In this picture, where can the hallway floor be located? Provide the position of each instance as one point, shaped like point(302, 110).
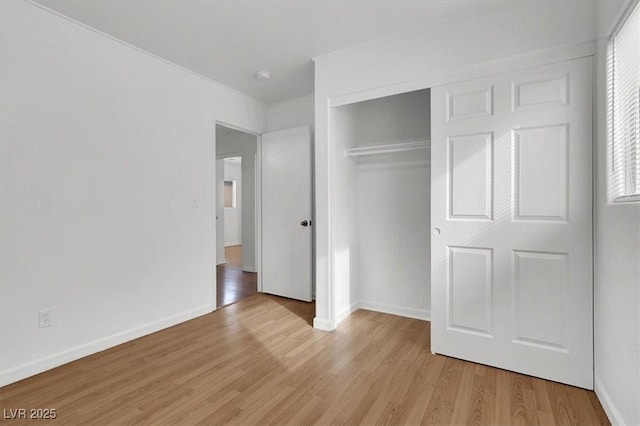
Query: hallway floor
point(234, 284)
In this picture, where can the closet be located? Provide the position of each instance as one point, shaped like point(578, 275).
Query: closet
point(381, 213)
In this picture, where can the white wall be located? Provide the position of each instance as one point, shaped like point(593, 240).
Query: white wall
point(106, 190)
point(345, 212)
point(393, 218)
point(617, 269)
point(407, 61)
point(233, 215)
point(399, 118)
point(290, 113)
point(244, 145)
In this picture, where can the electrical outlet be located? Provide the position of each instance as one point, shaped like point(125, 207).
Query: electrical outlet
point(46, 318)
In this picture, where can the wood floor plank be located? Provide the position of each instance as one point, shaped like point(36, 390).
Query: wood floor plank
point(463, 400)
point(304, 386)
point(411, 409)
point(233, 284)
point(483, 398)
point(523, 407)
point(441, 405)
point(596, 409)
point(563, 411)
point(503, 397)
point(259, 361)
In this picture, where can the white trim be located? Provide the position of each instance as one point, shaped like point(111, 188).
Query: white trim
point(323, 324)
point(344, 313)
point(213, 246)
point(258, 211)
point(634, 198)
point(145, 52)
point(237, 128)
point(607, 403)
point(403, 311)
point(420, 314)
point(498, 66)
point(328, 207)
point(233, 243)
point(48, 362)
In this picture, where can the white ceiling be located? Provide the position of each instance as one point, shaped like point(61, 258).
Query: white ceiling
point(228, 41)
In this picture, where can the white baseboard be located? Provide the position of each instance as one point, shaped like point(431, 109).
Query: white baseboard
point(249, 268)
point(40, 365)
point(233, 243)
point(421, 314)
point(347, 311)
point(607, 403)
point(323, 324)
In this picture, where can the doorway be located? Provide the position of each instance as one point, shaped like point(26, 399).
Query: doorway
point(236, 270)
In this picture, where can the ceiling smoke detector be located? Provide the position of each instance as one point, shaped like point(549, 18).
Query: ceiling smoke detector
point(263, 75)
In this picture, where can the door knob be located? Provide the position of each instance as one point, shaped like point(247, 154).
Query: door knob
point(436, 231)
point(304, 223)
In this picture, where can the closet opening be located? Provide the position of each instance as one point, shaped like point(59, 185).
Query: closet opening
point(381, 235)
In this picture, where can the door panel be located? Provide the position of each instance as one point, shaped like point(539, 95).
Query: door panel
point(286, 203)
point(511, 210)
point(541, 173)
point(469, 164)
point(470, 281)
point(470, 103)
point(536, 276)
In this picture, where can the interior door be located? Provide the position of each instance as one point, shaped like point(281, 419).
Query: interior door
point(286, 213)
point(511, 220)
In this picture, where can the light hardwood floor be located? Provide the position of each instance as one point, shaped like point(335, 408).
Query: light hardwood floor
point(233, 256)
point(234, 284)
point(259, 361)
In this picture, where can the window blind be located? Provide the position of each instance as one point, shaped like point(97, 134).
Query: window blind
point(623, 109)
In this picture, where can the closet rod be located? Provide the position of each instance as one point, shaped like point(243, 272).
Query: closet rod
point(386, 149)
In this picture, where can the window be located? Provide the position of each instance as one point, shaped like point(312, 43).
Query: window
point(230, 193)
point(623, 107)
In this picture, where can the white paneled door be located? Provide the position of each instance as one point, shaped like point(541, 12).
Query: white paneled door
point(511, 221)
point(286, 213)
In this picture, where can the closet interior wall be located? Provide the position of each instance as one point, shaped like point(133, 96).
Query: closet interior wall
point(382, 216)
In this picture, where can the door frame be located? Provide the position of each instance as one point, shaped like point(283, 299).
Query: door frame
point(257, 196)
point(324, 278)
